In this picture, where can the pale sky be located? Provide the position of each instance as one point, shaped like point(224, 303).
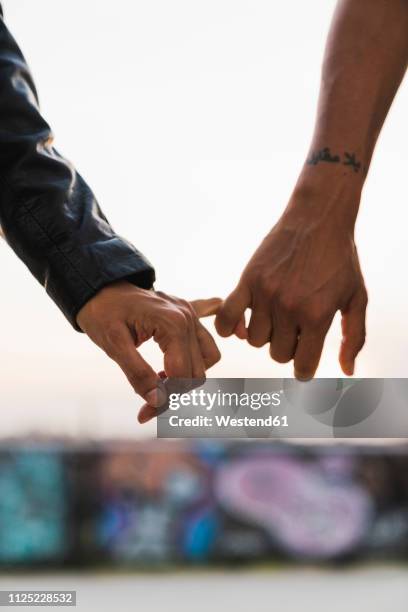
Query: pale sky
point(190, 120)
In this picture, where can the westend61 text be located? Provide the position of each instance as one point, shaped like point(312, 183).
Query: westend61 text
point(228, 421)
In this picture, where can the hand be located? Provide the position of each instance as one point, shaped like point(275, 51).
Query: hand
point(120, 317)
point(305, 270)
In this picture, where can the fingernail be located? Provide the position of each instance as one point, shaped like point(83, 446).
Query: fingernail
point(303, 377)
point(349, 368)
point(156, 397)
point(143, 417)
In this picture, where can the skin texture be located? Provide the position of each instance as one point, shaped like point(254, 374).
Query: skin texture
point(307, 267)
point(120, 317)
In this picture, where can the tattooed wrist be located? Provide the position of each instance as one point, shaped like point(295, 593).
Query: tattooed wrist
point(346, 159)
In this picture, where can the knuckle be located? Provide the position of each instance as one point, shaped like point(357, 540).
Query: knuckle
point(188, 312)
point(279, 356)
point(315, 315)
point(360, 339)
point(225, 316)
point(212, 354)
point(274, 355)
point(289, 302)
point(255, 341)
point(178, 322)
point(364, 298)
point(314, 318)
point(184, 305)
point(135, 378)
point(222, 325)
point(265, 286)
point(216, 356)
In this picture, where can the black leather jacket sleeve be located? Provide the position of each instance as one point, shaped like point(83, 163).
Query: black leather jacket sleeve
point(48, 214)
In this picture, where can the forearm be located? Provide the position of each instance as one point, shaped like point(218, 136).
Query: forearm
point(365, 60)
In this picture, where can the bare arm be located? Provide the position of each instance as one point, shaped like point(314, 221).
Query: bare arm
point(365, 60)
point(307, 267)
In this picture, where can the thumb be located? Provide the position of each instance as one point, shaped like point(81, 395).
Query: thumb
point(231, 313)
point(206, 308)
point(354, 332)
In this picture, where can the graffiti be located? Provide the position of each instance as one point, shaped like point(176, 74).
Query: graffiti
point(32, 507)
point(307, 514)
point(155, 503)
point(390, 532)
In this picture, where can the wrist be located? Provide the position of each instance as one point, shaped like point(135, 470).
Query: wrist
point(101, 300)
point(326, 195)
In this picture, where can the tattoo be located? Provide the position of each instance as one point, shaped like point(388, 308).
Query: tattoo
point(351, 161)
point(325, 155)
